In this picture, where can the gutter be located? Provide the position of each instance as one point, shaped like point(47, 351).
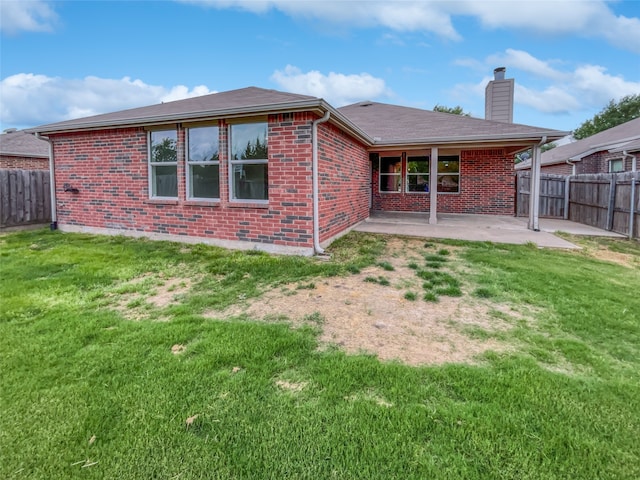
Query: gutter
point(316, 208)
point(475, 139)
point(318, 105)
point(52, 184)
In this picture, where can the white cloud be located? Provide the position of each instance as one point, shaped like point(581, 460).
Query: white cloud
point(585, 18)
point(552, 99)
point(400, 15)
point(552, 90)
point(526, 62)
point(30, 100)
point(336, 88)
point(31, 16)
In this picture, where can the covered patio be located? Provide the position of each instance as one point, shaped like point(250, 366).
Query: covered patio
point(483, 228)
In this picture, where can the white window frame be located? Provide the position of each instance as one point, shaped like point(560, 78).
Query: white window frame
point(239, 162)
point(200, 163)
point(449, 174)
point(408, 157)
point(382, 175)
point(151, 164)
point(616, 160)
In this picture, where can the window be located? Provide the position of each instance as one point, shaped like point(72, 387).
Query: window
point(163, 163)
point(203, 163)
point(248, 161)
point(616, 165)
point(418, 174)
point(390, 174)
point(448, 174)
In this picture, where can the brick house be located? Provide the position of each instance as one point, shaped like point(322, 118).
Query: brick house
point(609, 151)
point(275, 171)
point(23, 151)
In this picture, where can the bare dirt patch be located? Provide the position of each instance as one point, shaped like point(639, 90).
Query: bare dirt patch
point(291, 386)
point(625, 259)
point(141, 297)
point(362, 316)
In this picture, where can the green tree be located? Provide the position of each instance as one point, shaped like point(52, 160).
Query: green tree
point(615, 113)
point(165, 151)
point(457, 110)
point(255, 150)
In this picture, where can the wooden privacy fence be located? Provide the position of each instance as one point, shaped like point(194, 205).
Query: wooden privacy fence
point(553, 192)
point(610, 201)
point(25, 197)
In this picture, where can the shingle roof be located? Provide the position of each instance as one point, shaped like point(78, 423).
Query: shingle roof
point(244, 100)
point(393, 124)
point(632, 146)
point(622, 137)
point(23, 144)
point(374, 123)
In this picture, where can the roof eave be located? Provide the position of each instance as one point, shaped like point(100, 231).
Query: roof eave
point(23, 154)
point(474, 139)
point(318, 106)
point(179, 117)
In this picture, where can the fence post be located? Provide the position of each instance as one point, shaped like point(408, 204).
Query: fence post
point(632, 207)
point(612, 201)
point(567, 187)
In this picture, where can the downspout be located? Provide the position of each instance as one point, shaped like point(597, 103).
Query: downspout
point(534, 201)
point(52, 184)
point(572, 165)
point(314, 160)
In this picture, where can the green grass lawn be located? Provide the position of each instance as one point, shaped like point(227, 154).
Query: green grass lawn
point(87, 392)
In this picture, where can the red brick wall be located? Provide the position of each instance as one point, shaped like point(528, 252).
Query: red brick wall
point(557, 169)
point(594, 163)
point(110, 169)
point(24, 163)
point(599, 162)
point(344, 181)
point(487, 186)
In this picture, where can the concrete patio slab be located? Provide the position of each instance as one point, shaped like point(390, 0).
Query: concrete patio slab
point(488, 228)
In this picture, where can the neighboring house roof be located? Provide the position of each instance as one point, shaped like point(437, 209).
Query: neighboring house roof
point(377, 124)
point(396, 125)
point(617, 139)
point(631, 146)
point(23, 144)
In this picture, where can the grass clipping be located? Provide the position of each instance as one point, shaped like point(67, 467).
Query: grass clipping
point(359, 315)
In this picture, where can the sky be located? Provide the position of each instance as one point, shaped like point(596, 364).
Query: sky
point(68, 59)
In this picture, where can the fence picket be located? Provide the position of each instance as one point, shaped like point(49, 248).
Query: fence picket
point(24, 197)
point(601, 200)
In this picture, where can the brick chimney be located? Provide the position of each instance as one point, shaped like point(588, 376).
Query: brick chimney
point(498, 103)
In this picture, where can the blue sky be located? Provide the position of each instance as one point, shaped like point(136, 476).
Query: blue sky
point(75, 58)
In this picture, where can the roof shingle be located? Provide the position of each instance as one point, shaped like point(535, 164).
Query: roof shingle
point(381, 123)
point(23, 144)
point(250, 98)
point(396, 124)
point(624, 136)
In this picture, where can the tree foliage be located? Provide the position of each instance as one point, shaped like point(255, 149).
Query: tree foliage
point(165, 151)
point(615, 113)
point(457, 110)
point(257, 150)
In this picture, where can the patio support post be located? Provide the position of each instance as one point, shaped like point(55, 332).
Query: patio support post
point(534, 190)
point(433, 187)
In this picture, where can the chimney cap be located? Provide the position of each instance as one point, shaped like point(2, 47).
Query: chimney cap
point(499, 73)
